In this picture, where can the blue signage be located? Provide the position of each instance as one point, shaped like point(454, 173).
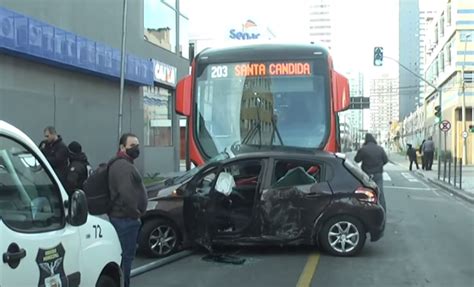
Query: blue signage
point(243, 35)
point(27, 37)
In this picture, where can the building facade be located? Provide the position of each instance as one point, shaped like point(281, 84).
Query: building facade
point(450, 66)
point(60, 66)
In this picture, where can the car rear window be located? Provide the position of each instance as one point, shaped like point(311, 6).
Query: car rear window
point(357, 172)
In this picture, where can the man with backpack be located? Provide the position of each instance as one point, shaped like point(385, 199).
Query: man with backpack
point(78, 169)
point(129, 199)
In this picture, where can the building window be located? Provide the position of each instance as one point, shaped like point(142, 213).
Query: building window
point(436, 35)
point(160, 23)
point(448, 55)
point(448, 14)
point(183, 37)
point(441, 26)
point(441, 62)
point(157, 106)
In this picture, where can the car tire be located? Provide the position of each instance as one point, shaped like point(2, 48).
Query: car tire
point(342, 236)
point(158, 238)
point(106, 281)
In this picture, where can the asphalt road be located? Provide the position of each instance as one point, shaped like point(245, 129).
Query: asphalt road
point(429, 241)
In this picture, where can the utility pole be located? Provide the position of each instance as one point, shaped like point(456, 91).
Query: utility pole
point(122, 68)
point(463, 112)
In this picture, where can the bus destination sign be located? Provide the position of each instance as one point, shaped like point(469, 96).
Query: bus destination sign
point(261, 69)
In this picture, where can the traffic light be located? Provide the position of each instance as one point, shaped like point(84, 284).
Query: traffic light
point(471, 128)
point(437, 113)
point(378, 56)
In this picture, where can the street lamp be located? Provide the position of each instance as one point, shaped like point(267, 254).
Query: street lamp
point(463, 112)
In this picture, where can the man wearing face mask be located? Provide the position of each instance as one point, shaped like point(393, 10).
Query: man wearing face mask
point(129, 199)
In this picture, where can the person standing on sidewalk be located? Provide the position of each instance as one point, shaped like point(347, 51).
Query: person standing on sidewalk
point(77, 169)
point(428, 151)
point(411, 153)
point(129, 199)
point(56, 152)
point(373, 158)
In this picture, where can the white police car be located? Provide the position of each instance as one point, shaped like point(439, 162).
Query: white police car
point(47, 239)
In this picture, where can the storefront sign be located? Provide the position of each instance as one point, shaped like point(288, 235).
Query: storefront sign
point(164, 73)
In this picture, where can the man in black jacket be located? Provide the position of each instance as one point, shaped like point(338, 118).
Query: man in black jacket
point(373, 159)
point(77, 170)
point(129, 199)
point(56, 152)
point(411, 153)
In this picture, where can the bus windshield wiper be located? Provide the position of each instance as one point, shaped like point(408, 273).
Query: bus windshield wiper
point(275, 130)
point(256, 128)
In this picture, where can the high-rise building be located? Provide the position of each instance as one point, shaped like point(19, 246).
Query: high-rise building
point(383, 105)
point(409, 56)
point(320, 22)
point(352, 119)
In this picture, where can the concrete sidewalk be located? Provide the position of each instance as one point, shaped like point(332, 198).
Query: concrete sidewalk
point(467, 191)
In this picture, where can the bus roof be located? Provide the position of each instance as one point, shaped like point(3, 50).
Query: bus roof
point(259, 52)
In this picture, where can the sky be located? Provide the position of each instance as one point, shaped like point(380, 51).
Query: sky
point(358, 25)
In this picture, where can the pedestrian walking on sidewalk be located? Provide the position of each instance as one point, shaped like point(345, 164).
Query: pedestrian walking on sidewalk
point(428, 150)
point(423, 160)
point(373, 158)
point(411, 153)
point(129, 199)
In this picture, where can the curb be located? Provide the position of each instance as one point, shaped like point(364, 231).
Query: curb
point(445, 187)
point(458, 192)
point(160, 262)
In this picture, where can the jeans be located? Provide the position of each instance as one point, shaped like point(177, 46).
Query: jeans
point(378, 178)
point(127, 230)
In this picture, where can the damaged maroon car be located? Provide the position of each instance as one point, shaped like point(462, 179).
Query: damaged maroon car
point(270, 198)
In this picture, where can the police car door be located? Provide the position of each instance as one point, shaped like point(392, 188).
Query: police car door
point(38, 247)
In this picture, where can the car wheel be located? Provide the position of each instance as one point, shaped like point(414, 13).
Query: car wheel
point(342, 236)
point(159, 238)
point(106, 281)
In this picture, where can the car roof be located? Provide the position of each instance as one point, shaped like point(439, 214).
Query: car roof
point(283, 152)
point(13, 132)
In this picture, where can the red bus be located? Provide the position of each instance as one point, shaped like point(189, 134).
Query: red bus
point(261, 95)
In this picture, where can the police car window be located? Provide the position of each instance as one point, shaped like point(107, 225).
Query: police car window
point(29, 199)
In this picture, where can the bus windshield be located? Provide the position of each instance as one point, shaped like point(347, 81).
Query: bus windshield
point(262, 103)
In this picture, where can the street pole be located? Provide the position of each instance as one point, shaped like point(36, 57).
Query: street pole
point(122, 68)
point(463, 112)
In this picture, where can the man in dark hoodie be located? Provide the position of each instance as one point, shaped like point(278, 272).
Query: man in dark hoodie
point(373, 158)
point(77, 170)
point(129, 199)
point(411, 153)
point(56, 152)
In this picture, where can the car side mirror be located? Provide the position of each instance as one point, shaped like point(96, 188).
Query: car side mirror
point(78, 210)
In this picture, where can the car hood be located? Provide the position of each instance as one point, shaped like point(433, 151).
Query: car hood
point(162, 190)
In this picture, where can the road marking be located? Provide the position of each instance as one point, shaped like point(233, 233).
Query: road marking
point(409, 177)
point(406, 187)
point(308, 272)
point(386, 177)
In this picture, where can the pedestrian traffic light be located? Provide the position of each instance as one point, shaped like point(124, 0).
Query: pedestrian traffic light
point(378, 56)
point(437, 112)
point(471, 128)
